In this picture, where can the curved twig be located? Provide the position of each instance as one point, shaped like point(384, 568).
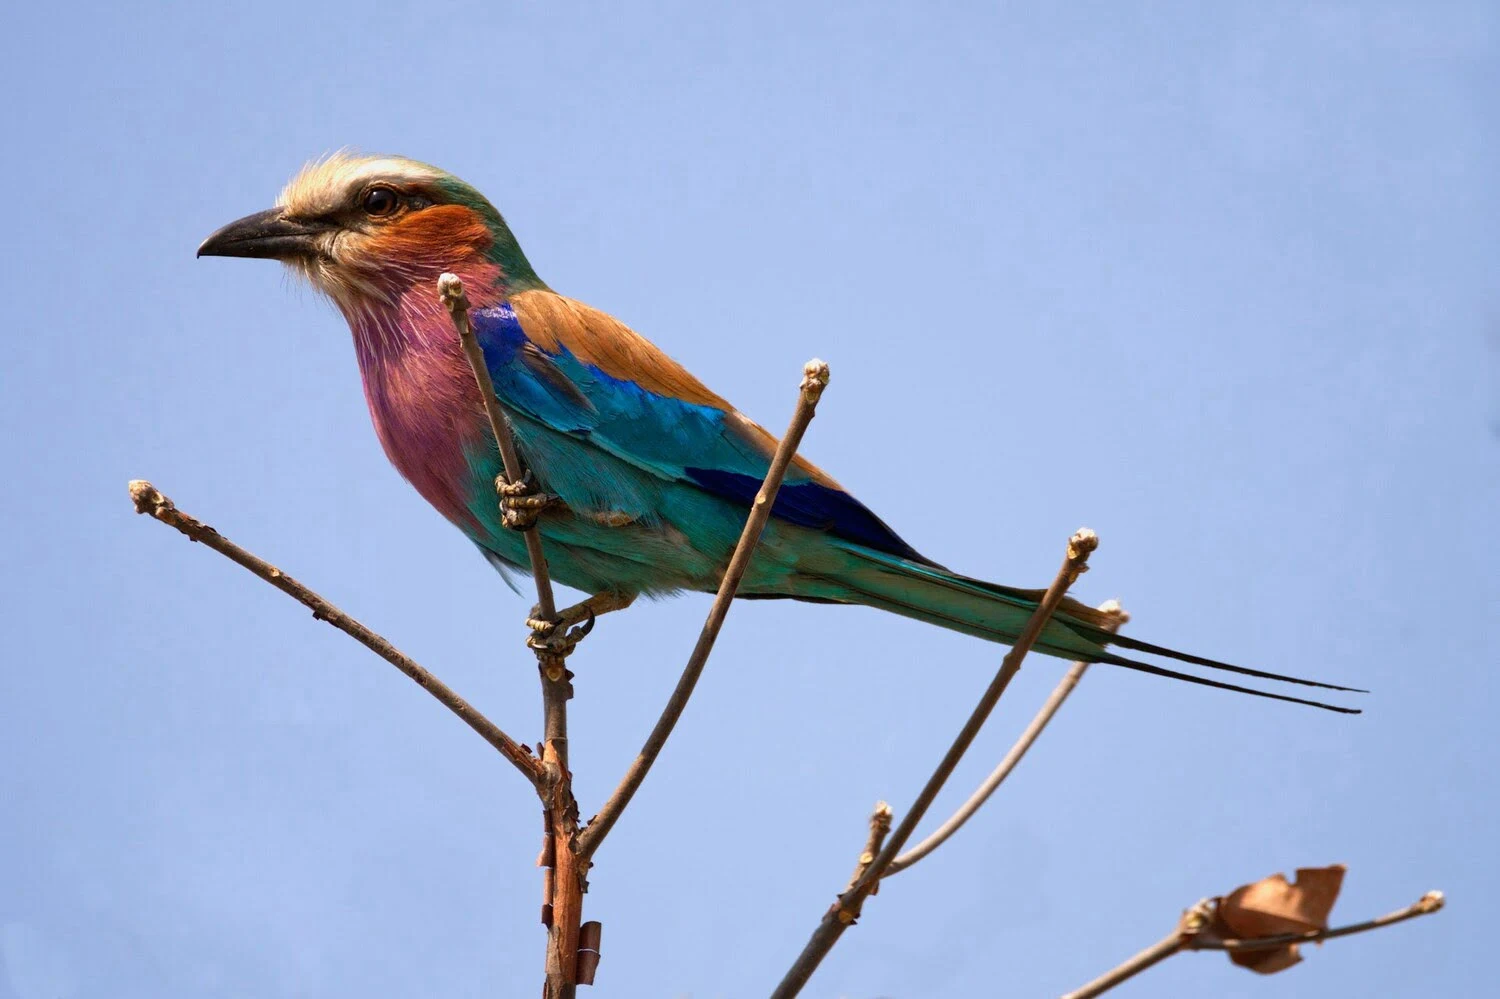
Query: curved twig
point(997, 776)
point(841, 914)
point(1173, 943)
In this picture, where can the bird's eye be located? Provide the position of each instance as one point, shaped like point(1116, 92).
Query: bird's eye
point(380, 201)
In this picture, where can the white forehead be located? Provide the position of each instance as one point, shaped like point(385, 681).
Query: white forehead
point(325, 185)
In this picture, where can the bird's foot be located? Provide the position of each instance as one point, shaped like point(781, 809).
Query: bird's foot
point(553, 641)
point(557, 637)
point(581, 614)
point(520, 502)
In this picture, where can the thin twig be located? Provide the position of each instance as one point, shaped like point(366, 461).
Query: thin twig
point(1193, 922)
point(814, 380)
point(1195, 933)
point(1150, 957)
point(149, 500)
point(451, 293)
point(839, 916)
point(1117, 617)
point(1424, 906)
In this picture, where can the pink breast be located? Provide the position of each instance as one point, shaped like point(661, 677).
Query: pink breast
point(422, 398)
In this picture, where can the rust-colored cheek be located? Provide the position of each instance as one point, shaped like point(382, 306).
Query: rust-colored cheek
point(439, 236)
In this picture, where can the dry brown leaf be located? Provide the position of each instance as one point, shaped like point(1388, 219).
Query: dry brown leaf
point(1272, 906)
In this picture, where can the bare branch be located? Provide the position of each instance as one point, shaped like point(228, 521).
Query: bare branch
point(451, 292)
point(1192, 923)
point(814, 380)
point(1424, 906)
point(982, 794)
point(1195, 932)
point(149, 500)
point(839, 916)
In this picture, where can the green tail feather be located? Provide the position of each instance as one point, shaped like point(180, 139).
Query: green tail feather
point(998, 613)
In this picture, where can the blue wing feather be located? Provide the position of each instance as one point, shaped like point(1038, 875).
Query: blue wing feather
point(672, 439)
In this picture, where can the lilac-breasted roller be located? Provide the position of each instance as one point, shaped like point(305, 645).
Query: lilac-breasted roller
point(650, 473)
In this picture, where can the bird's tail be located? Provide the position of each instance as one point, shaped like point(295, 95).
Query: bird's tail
point(998, 613)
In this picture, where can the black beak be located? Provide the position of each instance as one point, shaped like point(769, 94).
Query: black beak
point(265, 234)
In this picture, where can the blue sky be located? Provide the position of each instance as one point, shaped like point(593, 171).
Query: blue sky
point(1215, 281)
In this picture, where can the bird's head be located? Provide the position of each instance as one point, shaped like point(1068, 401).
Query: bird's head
point(365, 230)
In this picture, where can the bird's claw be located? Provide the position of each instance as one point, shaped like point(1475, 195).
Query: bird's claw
point(555, 638)
point(580, 613)
point(520, 502)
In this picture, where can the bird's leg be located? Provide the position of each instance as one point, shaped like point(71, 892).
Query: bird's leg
point(583, 611)
point(520, 502)
point(559, 633)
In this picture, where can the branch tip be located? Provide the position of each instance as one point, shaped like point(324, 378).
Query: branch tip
point(451, 292)
point(814, 379)
point(146, 497)
point(880, 827)
point(1082, 544)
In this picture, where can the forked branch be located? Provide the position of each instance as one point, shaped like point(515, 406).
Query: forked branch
point(940, 835)
point(845, 909)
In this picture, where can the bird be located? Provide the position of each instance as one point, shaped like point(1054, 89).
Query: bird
point(641, 475)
